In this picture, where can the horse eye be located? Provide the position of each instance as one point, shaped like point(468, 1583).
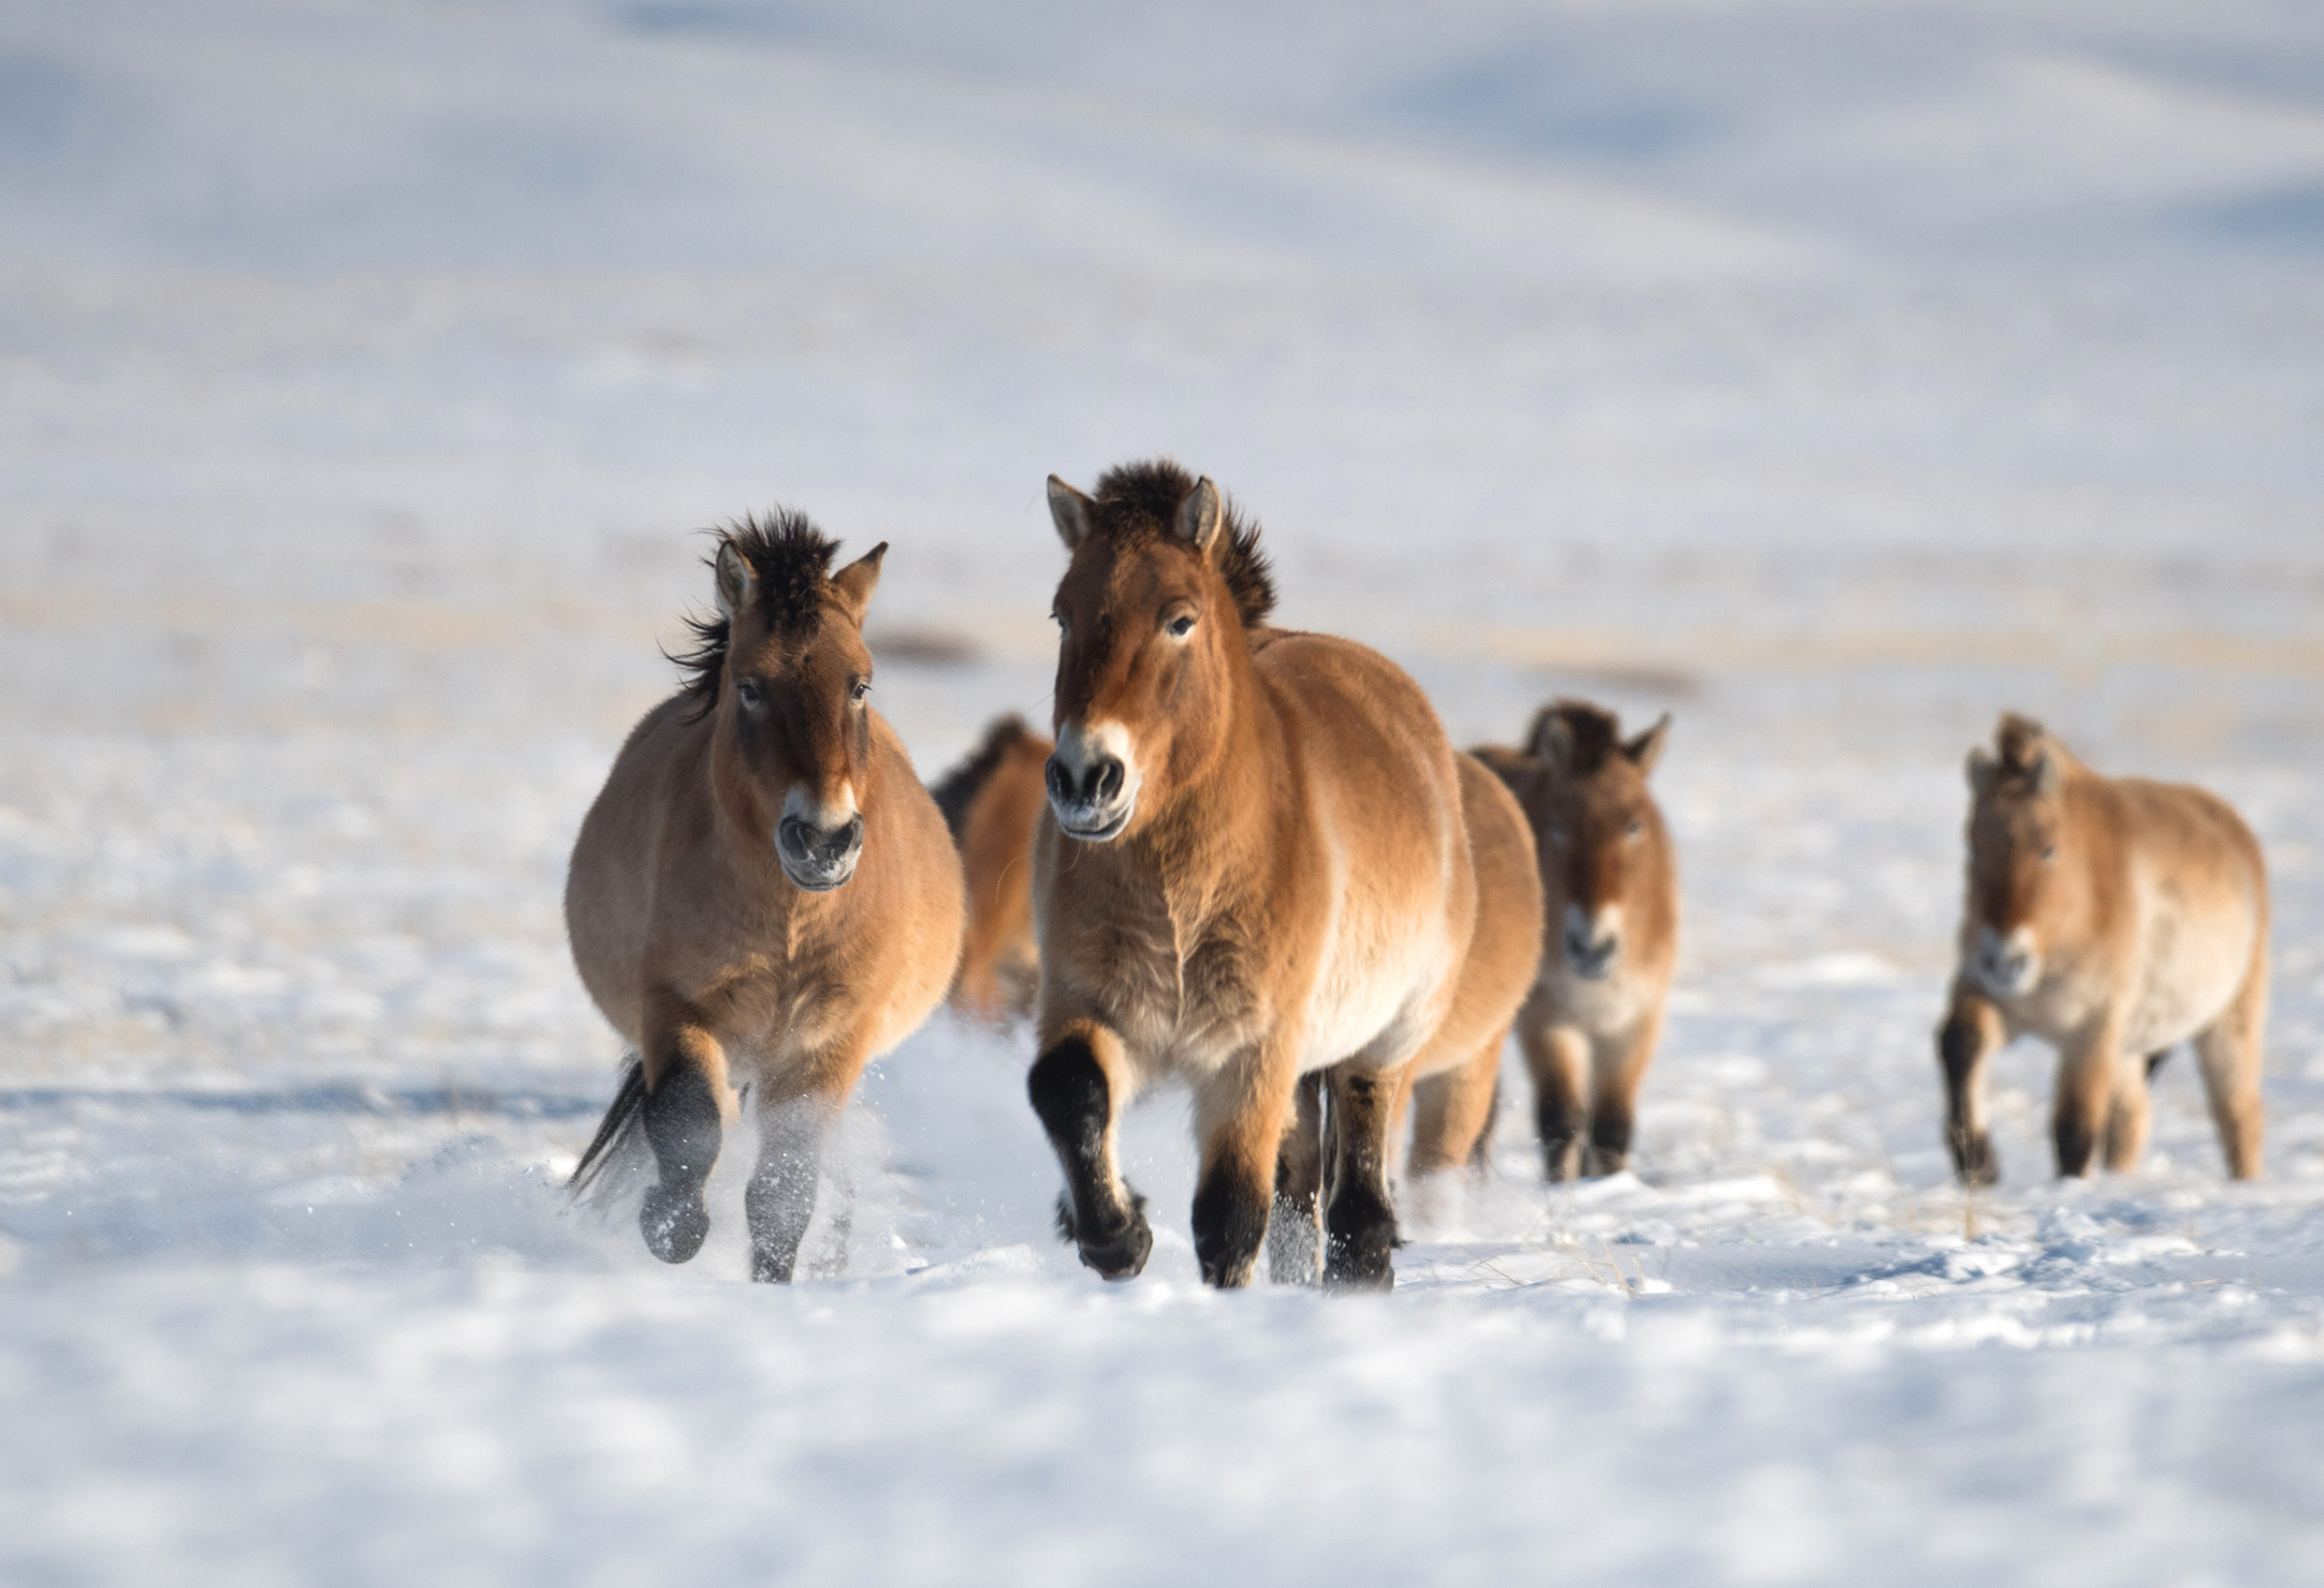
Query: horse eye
point(1557, 833)
point(1634, 828)
point(750, 695)
point(863, 687)
point(2049, 852)
point(1181, 627)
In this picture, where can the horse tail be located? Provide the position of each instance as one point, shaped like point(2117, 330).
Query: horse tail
point(956, 793)
point(622, 1127)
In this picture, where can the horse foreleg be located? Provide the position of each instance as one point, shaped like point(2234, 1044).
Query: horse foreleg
point(779, 1202)
point(1295, 1246)
point(2232, 1051)
point(1077, 1087)
point(1239, 1115)
point(2089, 1065)
point(1617, 1068)
point(1972, 1033)
point(1558, 1058)
point(1359, 1225)
point(687, 1095)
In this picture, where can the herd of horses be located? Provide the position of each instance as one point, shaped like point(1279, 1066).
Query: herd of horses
point(1251, 860)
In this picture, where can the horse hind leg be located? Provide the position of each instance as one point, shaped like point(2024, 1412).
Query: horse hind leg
point(1077, 1091)
point(2130, 1116)
point(1295, 1244)
point(1359, 1224)
point(2232, 1051)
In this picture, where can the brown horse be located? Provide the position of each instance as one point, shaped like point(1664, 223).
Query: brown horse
point(2114, 918)
point(762, 894)
point(1611, 928)
point(1252, 865)
point(990, 802)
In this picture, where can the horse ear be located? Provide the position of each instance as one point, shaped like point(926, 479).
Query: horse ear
point(1200, 515)
point(1982, 769)
point(737, 580)
point(1070, 510)
point(856, 582)
point(1552, 741)
point(2046, 774)
point(1646, 748)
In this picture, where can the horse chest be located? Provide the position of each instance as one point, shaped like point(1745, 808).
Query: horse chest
point(1188, 1012)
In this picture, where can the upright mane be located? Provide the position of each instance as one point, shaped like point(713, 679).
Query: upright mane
point(1140, 500)
point(791, 560)
point(957, 793)
point(1594, 732)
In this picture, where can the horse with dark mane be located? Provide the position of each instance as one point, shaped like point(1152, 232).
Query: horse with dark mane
point(1252, 865)
point(1611, 928)
point(762, 897)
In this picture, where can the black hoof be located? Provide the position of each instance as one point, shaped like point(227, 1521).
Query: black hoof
point(674, 1223)
point(1360, 1261)
point(1116, 1254)
point(1602, 1161)
point(765, 1270)
point(1974, 1160)
point(1561, 1160)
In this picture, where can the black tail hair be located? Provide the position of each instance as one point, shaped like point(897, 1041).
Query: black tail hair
point(622, 1123)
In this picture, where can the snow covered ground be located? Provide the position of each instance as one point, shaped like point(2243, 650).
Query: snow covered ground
point(1831, 374)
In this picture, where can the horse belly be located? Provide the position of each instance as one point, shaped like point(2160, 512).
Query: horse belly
point(2191, 970)
point(1363, 1006)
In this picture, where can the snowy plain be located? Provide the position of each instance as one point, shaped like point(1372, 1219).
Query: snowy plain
point(1833, 375)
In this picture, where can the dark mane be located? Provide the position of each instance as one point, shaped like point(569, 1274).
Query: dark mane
point(1140, 499)
point(1595, 732)
point(791, 560)
point(956, 795)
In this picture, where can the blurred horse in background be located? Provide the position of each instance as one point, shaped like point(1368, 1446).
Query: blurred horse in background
point(990, 802)
point(1611, 928)
point(761, 896)
point(1252, 865)
point(2114, 918)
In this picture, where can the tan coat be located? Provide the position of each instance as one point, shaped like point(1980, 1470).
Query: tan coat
point(2115, 918)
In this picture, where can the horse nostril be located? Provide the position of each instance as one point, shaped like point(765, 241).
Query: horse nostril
point(1108, 781)
point(1059, 780)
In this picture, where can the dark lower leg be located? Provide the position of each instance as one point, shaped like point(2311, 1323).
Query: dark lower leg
point(1074, 1100)
point(1609, 1136)
point(1961, 1051)
point(780, 1199)
point(1359, 1225)
point(683, 1128)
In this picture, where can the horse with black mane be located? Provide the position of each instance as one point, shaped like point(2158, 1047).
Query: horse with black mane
point(762, 897)
point(1252, 865)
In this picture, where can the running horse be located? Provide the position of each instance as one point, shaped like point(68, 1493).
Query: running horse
point(764, 896)
point(2113, 917)
point(1252, 865)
